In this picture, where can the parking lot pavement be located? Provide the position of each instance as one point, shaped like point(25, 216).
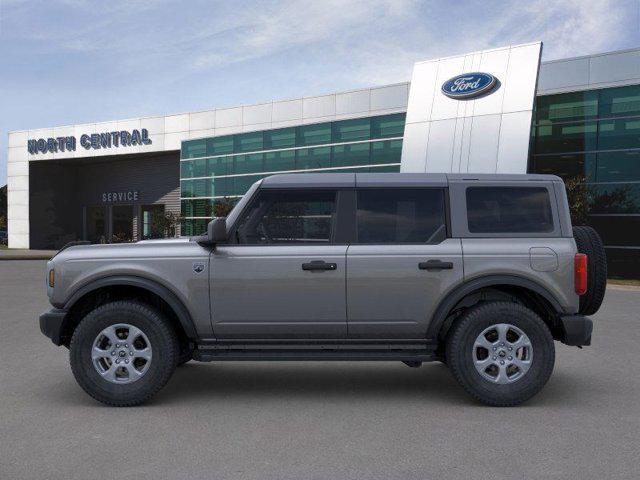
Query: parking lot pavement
point(315, 420)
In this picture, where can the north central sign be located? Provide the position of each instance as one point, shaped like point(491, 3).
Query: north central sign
point(93, 141)
point(469, 85)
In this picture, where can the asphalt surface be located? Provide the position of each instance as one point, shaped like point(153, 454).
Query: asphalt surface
point(315, 420)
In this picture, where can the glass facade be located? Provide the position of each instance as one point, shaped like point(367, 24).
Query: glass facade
point(592, 140)
point(215, 170)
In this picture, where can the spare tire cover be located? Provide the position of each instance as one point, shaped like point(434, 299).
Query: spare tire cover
point(588, 242)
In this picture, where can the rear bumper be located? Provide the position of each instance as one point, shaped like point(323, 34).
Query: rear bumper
point(575, 330)
point(51, 324)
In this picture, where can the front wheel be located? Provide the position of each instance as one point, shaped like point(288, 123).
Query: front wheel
point(502, 353)
point(123, 352)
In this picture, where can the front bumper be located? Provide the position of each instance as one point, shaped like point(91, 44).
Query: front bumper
point(51, 323)
point(575, 330)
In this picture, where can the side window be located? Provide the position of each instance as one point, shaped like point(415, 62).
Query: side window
point(401, 215)
point(283, 217)
point(509, 210)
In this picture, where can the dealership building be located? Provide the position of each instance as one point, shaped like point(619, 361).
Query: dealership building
point(111, 181)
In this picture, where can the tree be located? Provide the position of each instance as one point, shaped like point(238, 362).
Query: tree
point(3, 208)
point(223, 206)
point(164, 224)
point(584, 199)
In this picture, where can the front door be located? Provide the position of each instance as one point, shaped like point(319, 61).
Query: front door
point(282, 275)
point(401, 262)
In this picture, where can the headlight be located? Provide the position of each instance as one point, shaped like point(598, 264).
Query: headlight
point(52, 277)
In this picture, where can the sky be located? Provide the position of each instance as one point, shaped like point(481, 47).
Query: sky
point(65, 62)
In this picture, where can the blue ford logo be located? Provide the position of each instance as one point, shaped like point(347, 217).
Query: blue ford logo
point(468, 85)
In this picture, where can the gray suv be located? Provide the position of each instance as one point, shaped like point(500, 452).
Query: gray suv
point(481, 272)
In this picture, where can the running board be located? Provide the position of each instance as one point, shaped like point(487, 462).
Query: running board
point(310, 351)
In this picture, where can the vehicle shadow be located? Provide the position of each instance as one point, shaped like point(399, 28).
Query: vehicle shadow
point(352, 381)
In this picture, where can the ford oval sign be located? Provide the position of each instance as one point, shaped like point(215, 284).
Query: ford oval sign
point(468, 85)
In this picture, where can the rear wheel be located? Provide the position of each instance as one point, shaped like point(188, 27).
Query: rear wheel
point(501, 353)
point(588, 242)
point(122, 353)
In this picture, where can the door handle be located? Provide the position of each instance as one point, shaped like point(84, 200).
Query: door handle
point(319, 265)
point(435, 265)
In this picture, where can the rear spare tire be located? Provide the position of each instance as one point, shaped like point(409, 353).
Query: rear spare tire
point(588, 242)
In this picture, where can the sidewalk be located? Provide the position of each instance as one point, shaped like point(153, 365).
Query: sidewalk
point(24, 254)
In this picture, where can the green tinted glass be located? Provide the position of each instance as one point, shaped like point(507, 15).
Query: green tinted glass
point(220, 145)
point(566, 107)
point(194, 148)
point(388, 126)
point(186, 169)
point(388, 151)
point(313, 134)
point(573, 137)
point(385, 169)
point(620, 102)
point(222, 187)
point(622, 133)
point(248, 163)
point(352, 130)
point(186, 188)
point(197, 208)
point(280, 138)
point(309, 158)
point(248, 142)
point(618, 166)
point(347, 155)
point(568, 166)
point(220, 166)
point(280, 161)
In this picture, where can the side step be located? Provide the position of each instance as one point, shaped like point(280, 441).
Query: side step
point(312, 350)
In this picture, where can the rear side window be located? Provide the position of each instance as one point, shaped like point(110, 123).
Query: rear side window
point(401, 215)
point(509, 210)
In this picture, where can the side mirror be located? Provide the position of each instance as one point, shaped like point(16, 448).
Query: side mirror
point(217, 230)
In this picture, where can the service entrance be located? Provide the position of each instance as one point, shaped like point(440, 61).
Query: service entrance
point(109, 223)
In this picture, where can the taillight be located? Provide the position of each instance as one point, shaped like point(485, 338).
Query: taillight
point(580, 273)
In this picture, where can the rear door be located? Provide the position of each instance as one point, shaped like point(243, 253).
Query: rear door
point(284, 275)
point(401, 262)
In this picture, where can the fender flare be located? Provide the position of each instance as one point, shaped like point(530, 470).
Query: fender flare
point(464, 289)
point(184, 317)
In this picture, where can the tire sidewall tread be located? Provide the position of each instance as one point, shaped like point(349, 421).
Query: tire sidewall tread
point(163, 343)
point(459, 349)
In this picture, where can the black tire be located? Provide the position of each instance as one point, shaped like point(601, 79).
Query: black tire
point(164, 353)
point(185, 355)
point(460, 347)
point(588, 242)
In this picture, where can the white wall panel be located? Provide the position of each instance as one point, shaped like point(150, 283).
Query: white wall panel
point(562, 74)
point(176, 123)
point(393, 96)
point(494, 62)
point(323, 106)
point(441, 145)
point(520, 83)
point(614, 67)
point(483, 144)
point(514, 139)
point(353, 102)
point(17, 154)
point(422, 91)
point(18, 139)
point(202, 120)
point(229, 117)
point(465, 134)
point(287, 111)
point(253, 114)
point(414, 147)
point(154, 125)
